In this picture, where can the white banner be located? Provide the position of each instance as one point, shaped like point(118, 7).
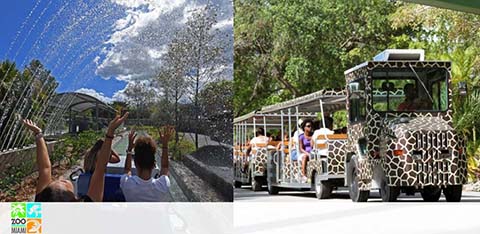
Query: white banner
point(354, 218)
point(212, 218)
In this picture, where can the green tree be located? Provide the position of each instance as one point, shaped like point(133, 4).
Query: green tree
point(285, 49)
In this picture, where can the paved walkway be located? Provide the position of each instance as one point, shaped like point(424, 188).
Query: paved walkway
point(245, 194)
point(203, 140)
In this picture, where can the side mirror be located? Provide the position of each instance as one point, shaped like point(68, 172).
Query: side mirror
point(462, 88)
point(355, 91)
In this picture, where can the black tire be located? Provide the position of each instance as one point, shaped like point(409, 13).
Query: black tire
point(453, 193)
point(389, 193)
point(323, 189)
point(355, 193)
point(237, 184)
point(431, 193)
point(256, 184)
point(272, 190)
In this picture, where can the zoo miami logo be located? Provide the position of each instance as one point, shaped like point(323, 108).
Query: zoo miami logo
point(26, 218)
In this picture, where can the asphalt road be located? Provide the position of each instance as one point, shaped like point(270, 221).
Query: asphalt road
point(245, 194)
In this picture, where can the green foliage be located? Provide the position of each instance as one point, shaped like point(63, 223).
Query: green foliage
point(69, 150)
point(285, 49)
point(23, 94)
point(216, 102)
point(177, 150)
point(180, 149)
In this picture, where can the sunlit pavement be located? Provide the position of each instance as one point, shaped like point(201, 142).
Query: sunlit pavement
point(245, 194)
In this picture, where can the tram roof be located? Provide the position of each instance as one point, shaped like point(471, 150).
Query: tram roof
point(332, 100)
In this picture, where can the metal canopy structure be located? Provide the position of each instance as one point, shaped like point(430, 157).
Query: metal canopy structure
point(332, 100)
point(470, 6)
point(79, 102)
point(76, 103)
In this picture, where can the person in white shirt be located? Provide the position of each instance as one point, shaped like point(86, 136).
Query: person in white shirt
point(142, 187)
point(294, 141)
point(259, 138)
point(326, 130)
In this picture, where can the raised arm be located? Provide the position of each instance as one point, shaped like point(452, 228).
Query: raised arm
point(43, 161)
point(165, 133)
point(128, 160)
point(97, 182)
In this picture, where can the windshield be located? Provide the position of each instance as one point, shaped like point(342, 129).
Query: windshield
point(402, 90)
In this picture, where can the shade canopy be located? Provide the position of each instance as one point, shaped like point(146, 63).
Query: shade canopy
point(79, 102)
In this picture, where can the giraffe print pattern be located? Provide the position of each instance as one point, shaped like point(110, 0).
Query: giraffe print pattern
point(433, 153)
point(259, 161)
point(335, 161)
point(291, 169)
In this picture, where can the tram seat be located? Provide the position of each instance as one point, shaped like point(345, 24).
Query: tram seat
point(273, 143)
point(340, 136)
point(112, 191)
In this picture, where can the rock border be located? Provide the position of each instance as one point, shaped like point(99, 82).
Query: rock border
point(222, 186)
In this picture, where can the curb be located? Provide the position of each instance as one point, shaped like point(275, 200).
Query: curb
point(222, 186)
point(188, 192)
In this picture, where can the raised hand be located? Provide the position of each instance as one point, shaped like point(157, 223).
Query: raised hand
point(117, 121)
point(32, 126)
point(131, 139)
point(165, 134)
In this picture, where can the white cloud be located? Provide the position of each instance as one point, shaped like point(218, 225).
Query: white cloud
point(94, 93)
point(135, 49)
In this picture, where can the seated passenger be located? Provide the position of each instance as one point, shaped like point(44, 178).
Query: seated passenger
point(285, 139)
point(91, 157)
point(142, 187)
point(259, 138)
point(326, 130)
point(305, 146)
point(294, 141)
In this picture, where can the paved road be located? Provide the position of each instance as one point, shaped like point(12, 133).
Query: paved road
point(176, 194)
point(245, 194)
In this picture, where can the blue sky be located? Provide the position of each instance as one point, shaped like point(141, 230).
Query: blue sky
point(99, 46)
point(63, 59)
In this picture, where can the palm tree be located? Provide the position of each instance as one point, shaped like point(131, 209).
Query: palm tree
point(18, 210)
point(465, 120)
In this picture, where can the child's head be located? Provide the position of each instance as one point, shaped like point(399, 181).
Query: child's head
point(145, 149)
point(57, 191)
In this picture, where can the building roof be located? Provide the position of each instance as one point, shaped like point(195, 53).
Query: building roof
point(78, 102)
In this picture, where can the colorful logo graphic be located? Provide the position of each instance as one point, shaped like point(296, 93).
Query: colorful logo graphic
point(26, 218)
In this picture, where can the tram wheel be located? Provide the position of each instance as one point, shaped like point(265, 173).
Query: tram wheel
point(453, 193)
point(431, 193)
point(323, 189)
point(389, 193)
point(354, 191)
point(272, 190)
point(256, 184)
